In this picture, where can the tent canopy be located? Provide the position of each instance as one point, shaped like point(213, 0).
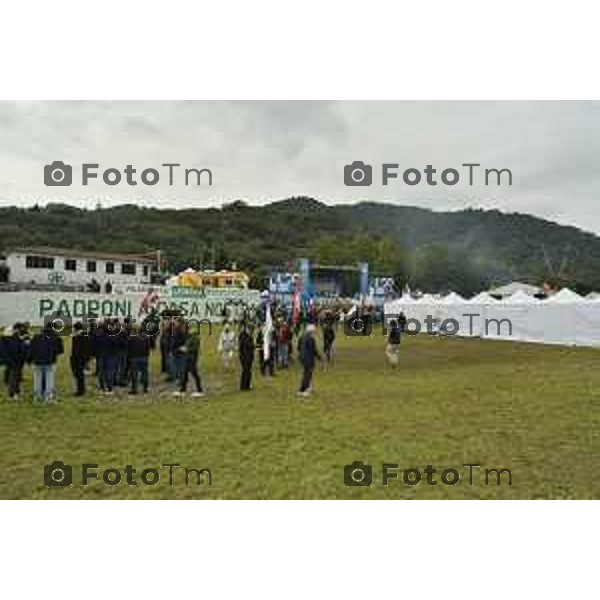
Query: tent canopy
point(512, 288)
point(520, 297)
point(565, 296)
point(483, 298)
point(453, 298)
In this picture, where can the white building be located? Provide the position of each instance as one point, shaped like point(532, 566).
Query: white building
point(58, 266)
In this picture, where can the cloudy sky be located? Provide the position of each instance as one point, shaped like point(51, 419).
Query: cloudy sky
point(264, 151)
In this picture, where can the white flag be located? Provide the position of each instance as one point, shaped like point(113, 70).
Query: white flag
point(268, 328)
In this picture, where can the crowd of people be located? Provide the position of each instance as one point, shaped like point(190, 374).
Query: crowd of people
point(117, 352)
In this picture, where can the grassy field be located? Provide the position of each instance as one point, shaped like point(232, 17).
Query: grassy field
point(528, 408)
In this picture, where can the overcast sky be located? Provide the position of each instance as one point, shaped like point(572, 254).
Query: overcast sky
point(264, 151)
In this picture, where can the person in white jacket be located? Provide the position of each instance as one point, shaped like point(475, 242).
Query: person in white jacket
point(227, 346)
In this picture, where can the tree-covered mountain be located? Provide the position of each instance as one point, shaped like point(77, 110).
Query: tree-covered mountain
point(464, 250)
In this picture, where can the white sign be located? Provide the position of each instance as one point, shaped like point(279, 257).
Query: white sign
point(34, 306)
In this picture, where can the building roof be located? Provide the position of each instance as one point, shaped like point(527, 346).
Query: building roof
point(73, 253)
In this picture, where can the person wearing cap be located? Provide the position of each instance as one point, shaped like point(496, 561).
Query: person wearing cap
point(308, 354)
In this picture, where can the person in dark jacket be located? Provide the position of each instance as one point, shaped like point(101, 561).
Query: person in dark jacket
point(260, 347)
point(151, 327)
point(393, 342)
point(191, 353)
point(166, 346)
point(15, 353)
point(402, 322)
point(328, 339)
point(106, 358)
point(80, 353)
point(308, 354)
point(7, 332)
point(45, 348)
point(246, 355)
point(121, 339)
point(178, 350)
point(138, 351)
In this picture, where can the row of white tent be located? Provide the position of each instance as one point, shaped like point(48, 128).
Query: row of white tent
point(563, 318)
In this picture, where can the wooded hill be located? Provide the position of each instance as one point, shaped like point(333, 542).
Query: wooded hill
point(464, 250)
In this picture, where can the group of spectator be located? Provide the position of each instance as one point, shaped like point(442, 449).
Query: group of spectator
point(117, 352)
point(18, 348)
point(275, 350)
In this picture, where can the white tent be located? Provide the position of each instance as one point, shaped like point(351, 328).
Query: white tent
point(512, 288)
point(453, 298)
point(429, 299)
point(400, 304)
point(483, 298)
point(474, 314)
point(565, 318)
point(565, 296)
point(520, 297)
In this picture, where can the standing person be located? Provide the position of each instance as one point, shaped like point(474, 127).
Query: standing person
point(308, 355)
point(45, 348)
point(260, 346)
point(393, 343)
point(4, 342)
point(166, 347)
point(138, 351)
point(80, 353)
point(106, 359)
point(151, 327)
point(402, 322)
point(191, 354)
point(226, 346)
point(246, 354)
point(15, 356)
point(122, 330)
point(273, 352)
point(284, 335)
point(178, 350)
point(328, 339)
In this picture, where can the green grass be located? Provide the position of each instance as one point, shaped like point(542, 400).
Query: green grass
point(530, 408)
